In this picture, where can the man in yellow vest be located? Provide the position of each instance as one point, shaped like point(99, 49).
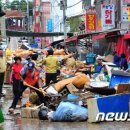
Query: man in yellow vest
point(2, 70)
point(52, 64)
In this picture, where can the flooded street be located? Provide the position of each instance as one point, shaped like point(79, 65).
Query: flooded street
point(15, 122)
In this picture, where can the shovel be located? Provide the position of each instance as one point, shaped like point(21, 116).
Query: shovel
point(39, 90)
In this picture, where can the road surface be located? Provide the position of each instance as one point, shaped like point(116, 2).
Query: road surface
point(17, 123)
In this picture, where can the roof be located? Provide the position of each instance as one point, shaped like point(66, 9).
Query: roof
point(81, 36)
point(14, 14)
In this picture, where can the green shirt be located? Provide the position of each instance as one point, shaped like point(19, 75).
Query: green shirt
point(51, 64)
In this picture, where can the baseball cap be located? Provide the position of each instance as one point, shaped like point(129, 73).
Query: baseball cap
point(31, 65)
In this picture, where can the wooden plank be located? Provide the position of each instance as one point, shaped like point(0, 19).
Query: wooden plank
point(72, 89)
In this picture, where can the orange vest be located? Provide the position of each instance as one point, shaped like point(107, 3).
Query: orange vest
point(32, 79)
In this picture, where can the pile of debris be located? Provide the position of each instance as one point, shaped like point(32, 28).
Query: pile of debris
point(68, 96)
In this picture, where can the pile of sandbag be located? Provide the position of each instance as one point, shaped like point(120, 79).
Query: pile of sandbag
point(59, 52)
point(70, 62)
point(23, 53)
point(79, 64)
point(67, 70)
point(80, 80)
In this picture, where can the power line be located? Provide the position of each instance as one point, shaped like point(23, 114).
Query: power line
point(74, 4)
point(58, 23)
point(57, 2)
point(73, 15)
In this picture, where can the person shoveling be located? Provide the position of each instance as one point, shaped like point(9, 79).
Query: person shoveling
point(29, 78)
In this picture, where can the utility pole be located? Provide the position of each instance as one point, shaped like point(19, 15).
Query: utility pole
point(63, 6)
point(28, 25)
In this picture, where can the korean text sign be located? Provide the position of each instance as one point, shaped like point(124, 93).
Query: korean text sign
point(108, 16)
point(126, 14)
point(90, 22)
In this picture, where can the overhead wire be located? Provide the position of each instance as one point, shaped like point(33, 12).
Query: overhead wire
point(74, 4)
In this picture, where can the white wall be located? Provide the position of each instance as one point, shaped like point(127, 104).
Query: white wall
point(56, 12)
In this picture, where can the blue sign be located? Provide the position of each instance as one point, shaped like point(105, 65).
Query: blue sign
point(49, 25)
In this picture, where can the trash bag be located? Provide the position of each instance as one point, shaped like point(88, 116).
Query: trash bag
point(67, 111)
point(43, 113)
point(73, 99)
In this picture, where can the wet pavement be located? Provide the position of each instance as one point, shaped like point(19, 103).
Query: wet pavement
point(15, 122)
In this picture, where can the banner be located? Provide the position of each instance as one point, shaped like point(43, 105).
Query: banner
point(49, 25)
point(125, 14)
point(90, 22)
point(108, 16)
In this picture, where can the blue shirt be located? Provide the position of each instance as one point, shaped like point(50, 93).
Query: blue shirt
point(117, 60)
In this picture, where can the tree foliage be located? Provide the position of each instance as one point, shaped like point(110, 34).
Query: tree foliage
point(74, 24)
point(15, 5)
point(22, 5)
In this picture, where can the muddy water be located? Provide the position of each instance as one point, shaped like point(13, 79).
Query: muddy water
point(17, 123)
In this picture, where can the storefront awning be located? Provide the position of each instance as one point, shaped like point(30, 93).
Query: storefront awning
point(127, 36)
point(71, 39)
point(99, 36)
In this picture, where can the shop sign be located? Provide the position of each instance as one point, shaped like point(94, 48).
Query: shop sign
point(126, 14)
point(108, 16)
point(49, 25)
point(90, 22)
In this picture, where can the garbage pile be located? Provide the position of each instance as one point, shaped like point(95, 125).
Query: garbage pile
point(67, 97)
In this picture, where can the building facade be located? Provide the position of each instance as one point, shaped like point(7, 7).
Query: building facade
point(118, 37)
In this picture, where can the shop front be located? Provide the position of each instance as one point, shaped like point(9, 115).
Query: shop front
point(123, 45)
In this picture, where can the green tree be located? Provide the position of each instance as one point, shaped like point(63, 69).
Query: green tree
point(74, 23)
point(15, 5)
point(0, 2)
point(31, 8)
point(23, 5)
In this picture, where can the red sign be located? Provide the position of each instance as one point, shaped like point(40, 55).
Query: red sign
point(90, 22)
